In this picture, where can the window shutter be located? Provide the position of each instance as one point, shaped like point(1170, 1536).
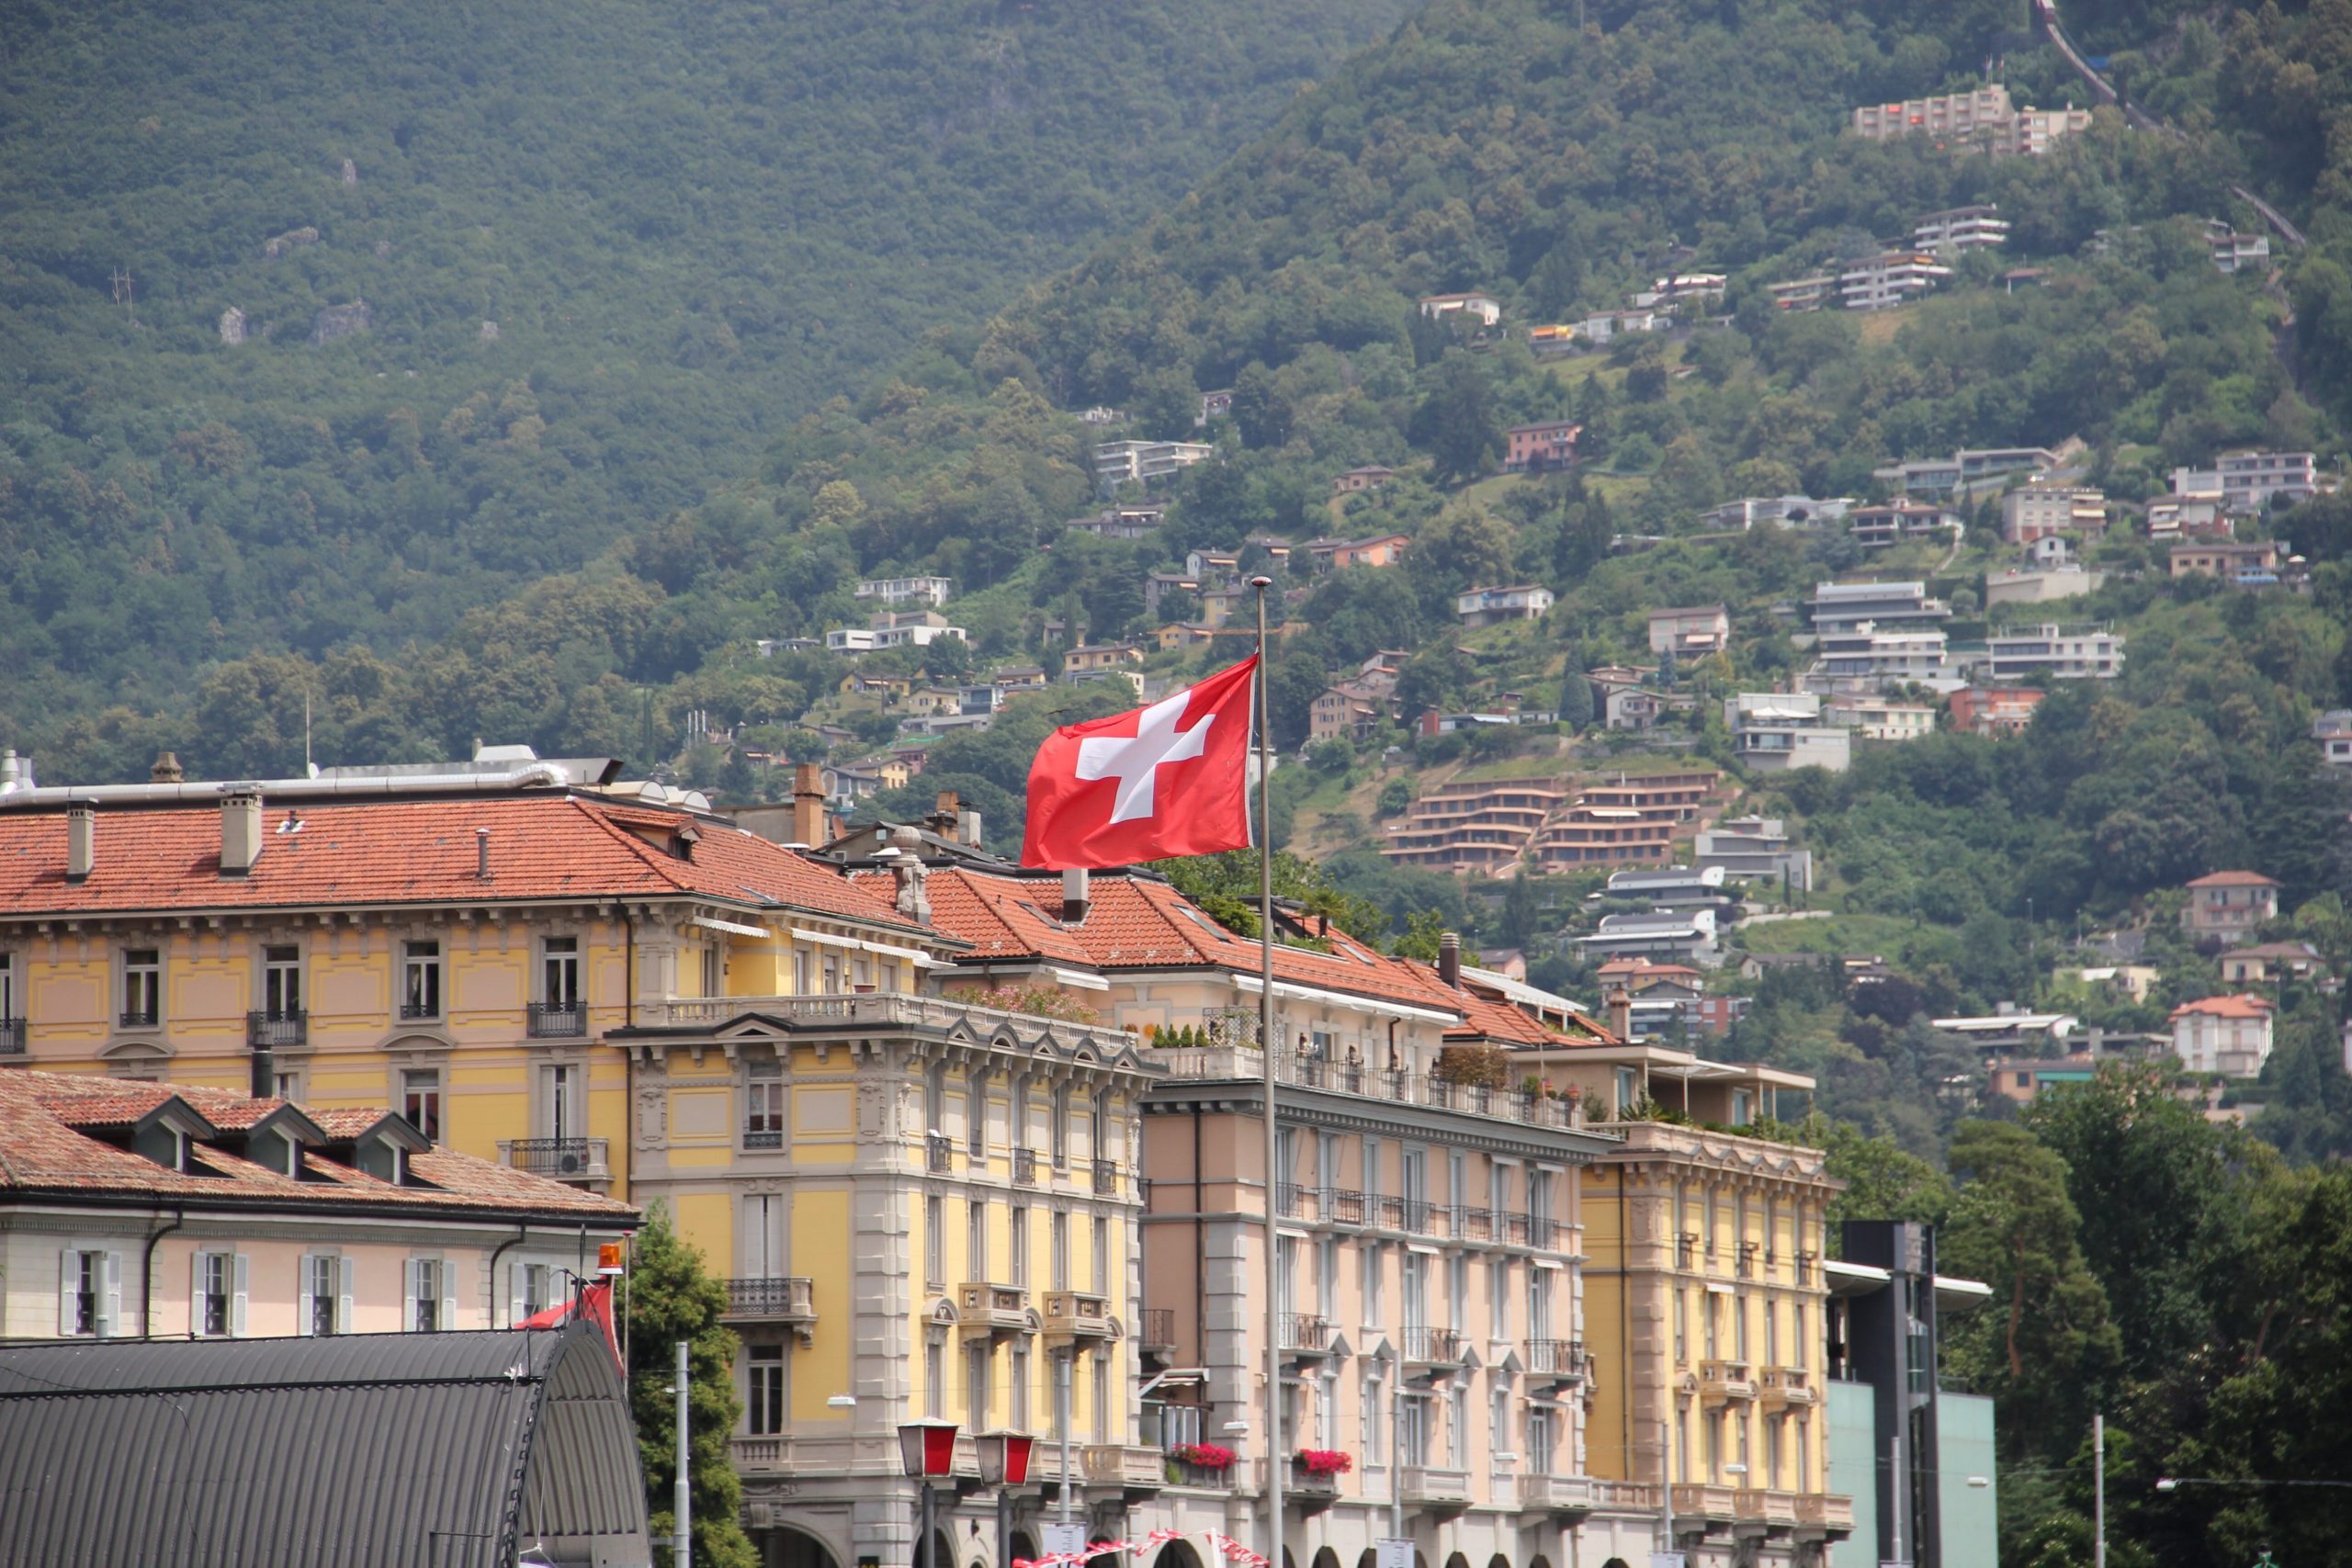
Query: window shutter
point(196, 1295)
point(69, 1291)
point(110, 1320)
point(343, 1300)
point(408, 1295)
point(516, 1275)
point(447, 1322)
point(302, 1296)
point(238, 1281)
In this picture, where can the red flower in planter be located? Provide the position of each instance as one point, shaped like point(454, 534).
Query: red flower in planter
point(1325, 1461)
point(1204, 1456)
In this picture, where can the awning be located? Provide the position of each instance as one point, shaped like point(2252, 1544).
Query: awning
point(732, 928)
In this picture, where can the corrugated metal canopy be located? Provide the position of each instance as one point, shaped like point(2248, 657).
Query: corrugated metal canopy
point(452, 1450)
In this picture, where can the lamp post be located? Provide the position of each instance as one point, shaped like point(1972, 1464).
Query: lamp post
point(927, 1449)
point(1004, 1464)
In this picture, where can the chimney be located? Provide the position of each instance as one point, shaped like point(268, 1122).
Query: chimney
point(1449, 958)
point(240, 830)
point(265, 1073)
point(807, 806)
point(944, 815)
point(481, 854)
point(81, 840)
point(1074, 896)
point(1620, 1012)
point(167, 769)
point(967, 827)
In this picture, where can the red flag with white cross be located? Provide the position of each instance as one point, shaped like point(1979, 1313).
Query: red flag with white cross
point(1171, 779)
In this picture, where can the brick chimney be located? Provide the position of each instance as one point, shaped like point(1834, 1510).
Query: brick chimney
point(1621, 1011)
point(807, 806)
point(945, 813)
point(240, 830)
point(81, 840)
point(1449, 958)
point(1074, 895)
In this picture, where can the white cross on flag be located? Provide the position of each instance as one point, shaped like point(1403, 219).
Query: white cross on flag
point(1171, 779)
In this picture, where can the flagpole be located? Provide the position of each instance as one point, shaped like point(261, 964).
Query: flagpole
point(1267, 1044)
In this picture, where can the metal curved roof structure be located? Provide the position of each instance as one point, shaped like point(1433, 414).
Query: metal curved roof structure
point(445, 1450)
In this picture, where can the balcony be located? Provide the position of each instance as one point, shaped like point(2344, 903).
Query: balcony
point(1442, 1492)
point(1726, 1382)
point(1828, 1513)
point(763, 1456)
point(1306, 1337)
point(1775, 1511)
point(556, 1020)
point(1077, 1317)
point(939, 1154)
point(12, 1036)
point(1024, 1168)
point(1291, 1200)
point(1686, 1250)
point(1228, 1063)
point(139, 1018)
point(1472, 1224)
point(1561, 1360)
point(1159, 1335)
point(413, 1012)
point(1138, 1473)
point(993, 1312)
point(267, 1030)
point(1568, 1496)
point(1106, 1177)
point(763, 1133)
point(1543, 1231)
point(1342, 1206)
point(564, 1159)
point(1636, 1496)
point(787, 1298)
point(1712, 1505)
point(1431, 1352)
point(1787, 1388)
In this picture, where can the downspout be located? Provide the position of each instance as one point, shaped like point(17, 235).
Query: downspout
point(1626, 1336)
point(147, 1275)
point(1200, 1253)
point(520, 1232)
point(629, 1056)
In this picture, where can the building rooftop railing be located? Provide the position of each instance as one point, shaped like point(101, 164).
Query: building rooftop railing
point(1426, 1090)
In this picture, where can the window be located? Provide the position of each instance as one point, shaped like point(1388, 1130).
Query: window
point(281, 983)
point(1371, 1174)
point(801, 972)
point(286, 1083)
point(833, 978)
point(1715, 1443)
point(8, 988)
point(1061, 1127)
point(1457, 1427)
point(1020, 1416)
point(142, 987)
point(1374, 1311)
point(1804, 1455)
point(1681, 1443)
point(1102, 1401)
point(934, 1245)
point(1714, 1319)
point(1498, 1427)
point(976, 1364)
point(935, 1377)
point(1681, 1326)
point(976, 1239)
point(763, 1391)
point(1629, 1092)
point(419, 979)
point(1375, 1428)
point(1061, 1249)
point(324, 1307)
point(534, 1287)
point(975, 1112)
point(560, 1085)
point(559, 973)
point(1709, 1198)
point(1498, 1300)
point(89, 1292)
point(1017, 1222)
point(421, 1099)
point(1499, 1194)
point(1771, 1334)
point(714, 970)
point(1738, 1329)
point(1542, 1438)
point(430, 1309)
point(764, 1105)
point(1327, 1278)
point(1285, 1267)
point(1796, 1331)
point(1102, 1259)
point(1413, 1422)
point(1457, 1291)
point(1539, 1302)
point(1772, 1454)
point(1413, 1278)
point(218, 1309)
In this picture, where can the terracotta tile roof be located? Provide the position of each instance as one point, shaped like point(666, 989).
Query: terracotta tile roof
point(415, 851)
point(1499, 1021)
point(2235, 879)
point(1135, 922)
point(45, 1149)
point(2224, 1007)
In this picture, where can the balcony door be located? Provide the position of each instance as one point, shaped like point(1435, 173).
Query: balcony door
point(762, 1257)
point(562, 1098)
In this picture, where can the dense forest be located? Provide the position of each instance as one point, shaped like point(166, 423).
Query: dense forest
point(605, 252)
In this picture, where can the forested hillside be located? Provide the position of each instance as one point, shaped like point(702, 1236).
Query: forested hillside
point(606, 252)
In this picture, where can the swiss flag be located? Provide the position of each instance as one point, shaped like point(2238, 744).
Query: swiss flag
point(1171, 779)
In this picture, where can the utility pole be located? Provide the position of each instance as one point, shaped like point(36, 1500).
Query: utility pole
point(2099, 1491)
point(122, 294)
point(682, 1548)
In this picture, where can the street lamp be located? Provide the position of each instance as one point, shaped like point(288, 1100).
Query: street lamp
point(1004, 1464)
point(927, 1449)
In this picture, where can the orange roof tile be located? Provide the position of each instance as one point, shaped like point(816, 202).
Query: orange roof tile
point(2224, 1007)
point(542, 846)
point(44, 1150)
point(2235, 879)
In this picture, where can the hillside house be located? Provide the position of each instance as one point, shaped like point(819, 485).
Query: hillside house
point(1810, 292)
point(1473, 826)
point(2041, 510)
point(2233, 252)
point(2251, 481)
point(2053, 651)
point(2268, 963)
point(1491, 606)
point(2228, 905)
point(1097, 656)
point(1892, 278)
point(1881, 718)
point(1961, 228)
point(1336, 555)
point(1355, 481)
point(1146, 462)
point(1754, 849)
point(1678, 936)
point(1849, 607)
point(1540, 449)
point(1876, 527)
point(1485, 308)
point(1350, 711)
point(932, 590)
point(1965, 469)
point(2333, 730)
point(2251, 563)
point(1690, 632)
point(2229, 1035)
point(1777, 731)
point(1119, 523)
point(1217, 404)
point(2041, 584)
point(1955, 117)
point(1993, 710)
point(1603, 325)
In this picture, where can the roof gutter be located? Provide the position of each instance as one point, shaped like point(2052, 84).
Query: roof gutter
point(537, 775)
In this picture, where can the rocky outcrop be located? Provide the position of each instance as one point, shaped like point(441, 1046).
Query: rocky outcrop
point(232, 326)
point(342, 321)
point(306, 235)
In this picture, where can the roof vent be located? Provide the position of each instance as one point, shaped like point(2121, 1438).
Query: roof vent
point(240, 830)
point(1074, 895)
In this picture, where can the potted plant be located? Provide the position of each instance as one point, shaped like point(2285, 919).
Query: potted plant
point(1323, 1466)
point(1206, 1461)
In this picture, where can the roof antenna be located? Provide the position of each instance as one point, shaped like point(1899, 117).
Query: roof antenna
point(309, 769)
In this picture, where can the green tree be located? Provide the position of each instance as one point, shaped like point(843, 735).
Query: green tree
point(1456, 422)
point(670, 1298)
point(1576, 692)
point(1260, 411)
